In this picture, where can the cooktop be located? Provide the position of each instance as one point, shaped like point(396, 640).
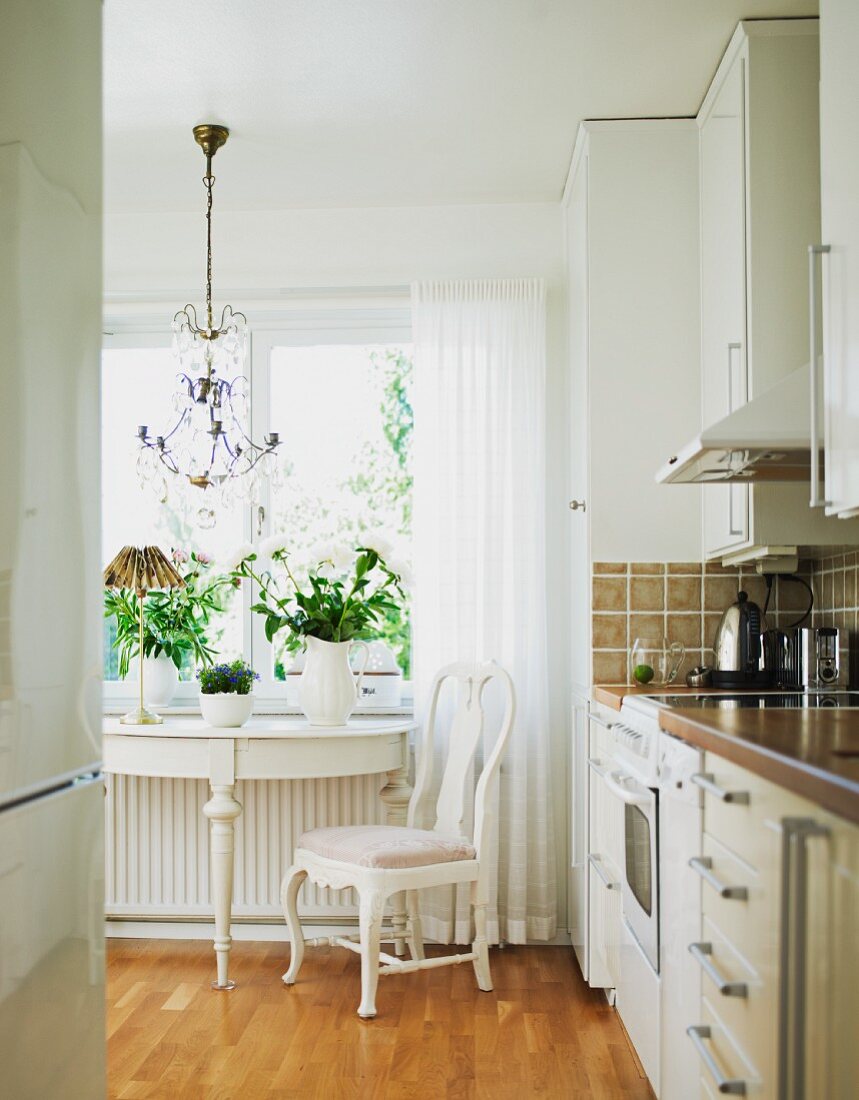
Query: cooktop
point(784, 700)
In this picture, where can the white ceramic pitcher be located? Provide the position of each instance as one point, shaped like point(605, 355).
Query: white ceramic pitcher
point(328, 692)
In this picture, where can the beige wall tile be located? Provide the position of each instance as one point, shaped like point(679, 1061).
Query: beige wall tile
point(647, 568)
point(609, 593)
point(684, 593)
point(646, 594)
point(719, 592)
point(685, 629)
point(849, 587)
point(609, 631)
point(610, 567)
point(685, 567)
point(838, 588)
point(650, 626)
point(610, 668)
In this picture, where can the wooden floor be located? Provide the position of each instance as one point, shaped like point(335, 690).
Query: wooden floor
point(542, 1032)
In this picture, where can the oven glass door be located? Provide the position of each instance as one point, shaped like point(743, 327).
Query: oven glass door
point(640, 871)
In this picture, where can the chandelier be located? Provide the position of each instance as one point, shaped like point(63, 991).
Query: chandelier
point(207, 446)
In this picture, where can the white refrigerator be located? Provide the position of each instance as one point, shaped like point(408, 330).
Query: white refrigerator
point(51, 791)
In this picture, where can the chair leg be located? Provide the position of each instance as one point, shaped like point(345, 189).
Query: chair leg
point(481, 946)
point(289, 897)
point(416, 936)
point(371, 910)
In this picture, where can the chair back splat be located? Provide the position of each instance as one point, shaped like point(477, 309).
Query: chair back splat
point(466, 733)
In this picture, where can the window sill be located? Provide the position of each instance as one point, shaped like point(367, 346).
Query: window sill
point(116, 707)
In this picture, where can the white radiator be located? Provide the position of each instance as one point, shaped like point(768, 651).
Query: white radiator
point(157, 843)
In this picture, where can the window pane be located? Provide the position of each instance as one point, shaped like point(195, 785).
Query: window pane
point(344, 413)
point(137, 388)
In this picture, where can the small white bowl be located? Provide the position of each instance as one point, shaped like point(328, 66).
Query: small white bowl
point(226, 710)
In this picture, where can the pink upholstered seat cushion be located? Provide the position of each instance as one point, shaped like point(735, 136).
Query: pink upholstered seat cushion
point(385, 846)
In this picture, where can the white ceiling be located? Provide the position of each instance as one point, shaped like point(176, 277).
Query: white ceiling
point(390, 102)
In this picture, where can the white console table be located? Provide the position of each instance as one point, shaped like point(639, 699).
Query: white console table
point(265, 748)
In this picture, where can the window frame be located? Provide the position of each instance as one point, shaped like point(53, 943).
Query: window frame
point(268, 329)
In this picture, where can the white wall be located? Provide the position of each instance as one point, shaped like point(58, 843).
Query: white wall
point(282, 253)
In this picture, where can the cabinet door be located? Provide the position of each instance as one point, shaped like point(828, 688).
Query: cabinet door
point(839, 163)
point(723, 294)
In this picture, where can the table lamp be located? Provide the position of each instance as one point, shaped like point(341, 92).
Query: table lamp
point(141, 569)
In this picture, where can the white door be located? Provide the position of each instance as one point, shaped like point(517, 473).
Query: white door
point(579, 481)
point(723, 294)
point(839, 164)
point(579, 551)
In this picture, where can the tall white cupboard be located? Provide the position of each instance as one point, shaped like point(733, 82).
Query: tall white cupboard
point(632, 263)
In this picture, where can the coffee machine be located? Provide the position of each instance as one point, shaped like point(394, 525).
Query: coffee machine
point(820, 658)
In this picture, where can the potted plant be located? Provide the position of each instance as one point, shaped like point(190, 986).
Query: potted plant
point(226, 695)
point(174, 624)
point(337, 600)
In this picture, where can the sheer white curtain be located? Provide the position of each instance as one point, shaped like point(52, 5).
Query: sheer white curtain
point(479, 538)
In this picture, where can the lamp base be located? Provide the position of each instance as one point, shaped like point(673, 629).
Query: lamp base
point(141, 716)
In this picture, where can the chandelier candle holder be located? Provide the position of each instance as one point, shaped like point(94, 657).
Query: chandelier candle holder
point(208, 445)
point(141, 569)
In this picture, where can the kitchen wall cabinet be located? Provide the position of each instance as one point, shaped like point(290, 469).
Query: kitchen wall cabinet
point(839, 169)
point(774, 866)
point(759, 210)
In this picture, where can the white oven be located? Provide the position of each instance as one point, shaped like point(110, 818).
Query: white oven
point(640, 877)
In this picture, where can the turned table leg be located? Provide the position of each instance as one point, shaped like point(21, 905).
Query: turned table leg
point(222, 809)
point(396, 795)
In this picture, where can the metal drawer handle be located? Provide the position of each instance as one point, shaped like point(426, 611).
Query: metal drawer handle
point(700, 952)
point(704, 780)
point(702, 865)
point(596, 863)
point(731, 1085)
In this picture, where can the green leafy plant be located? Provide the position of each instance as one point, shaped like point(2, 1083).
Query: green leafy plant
point(174, 621)
point(344, 595)
point(236, 678)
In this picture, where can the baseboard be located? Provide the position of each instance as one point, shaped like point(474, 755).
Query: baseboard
point(273, 931)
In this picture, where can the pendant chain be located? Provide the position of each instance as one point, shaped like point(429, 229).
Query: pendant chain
point(209, 181)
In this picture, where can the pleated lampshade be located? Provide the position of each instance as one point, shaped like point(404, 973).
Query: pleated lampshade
point(142, 568)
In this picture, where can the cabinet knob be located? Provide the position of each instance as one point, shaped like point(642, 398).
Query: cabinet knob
point(578, 506)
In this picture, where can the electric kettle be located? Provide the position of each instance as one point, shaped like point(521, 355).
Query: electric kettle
point(738, 647)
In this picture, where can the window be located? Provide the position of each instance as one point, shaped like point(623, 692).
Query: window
point(339, 394)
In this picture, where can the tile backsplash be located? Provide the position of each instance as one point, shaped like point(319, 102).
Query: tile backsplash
point(683, 602)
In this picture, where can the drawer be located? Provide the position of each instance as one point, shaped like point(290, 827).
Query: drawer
point(601, 744)
point(739, 820)
point(751, 1020)
point(604, 924)
point(749, 923)
point(721, 1060)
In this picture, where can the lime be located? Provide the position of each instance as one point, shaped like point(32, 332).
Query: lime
point(643, 674)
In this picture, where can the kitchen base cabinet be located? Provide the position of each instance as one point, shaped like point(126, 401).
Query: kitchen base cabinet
point(780, 912)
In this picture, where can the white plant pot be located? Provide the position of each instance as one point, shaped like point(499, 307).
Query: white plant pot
point(328, 692)
point(226, 710)
point(160, 678)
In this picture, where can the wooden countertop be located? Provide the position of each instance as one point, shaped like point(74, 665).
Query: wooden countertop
point(814, 753)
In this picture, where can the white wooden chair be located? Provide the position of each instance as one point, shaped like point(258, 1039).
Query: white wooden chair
point(381, 860)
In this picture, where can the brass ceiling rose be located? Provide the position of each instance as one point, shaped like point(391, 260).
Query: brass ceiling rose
point(210, 137)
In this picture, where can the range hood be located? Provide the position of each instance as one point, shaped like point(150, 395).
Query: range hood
point(768, 439)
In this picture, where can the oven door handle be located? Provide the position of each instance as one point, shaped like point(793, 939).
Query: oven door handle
point(615, 782)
